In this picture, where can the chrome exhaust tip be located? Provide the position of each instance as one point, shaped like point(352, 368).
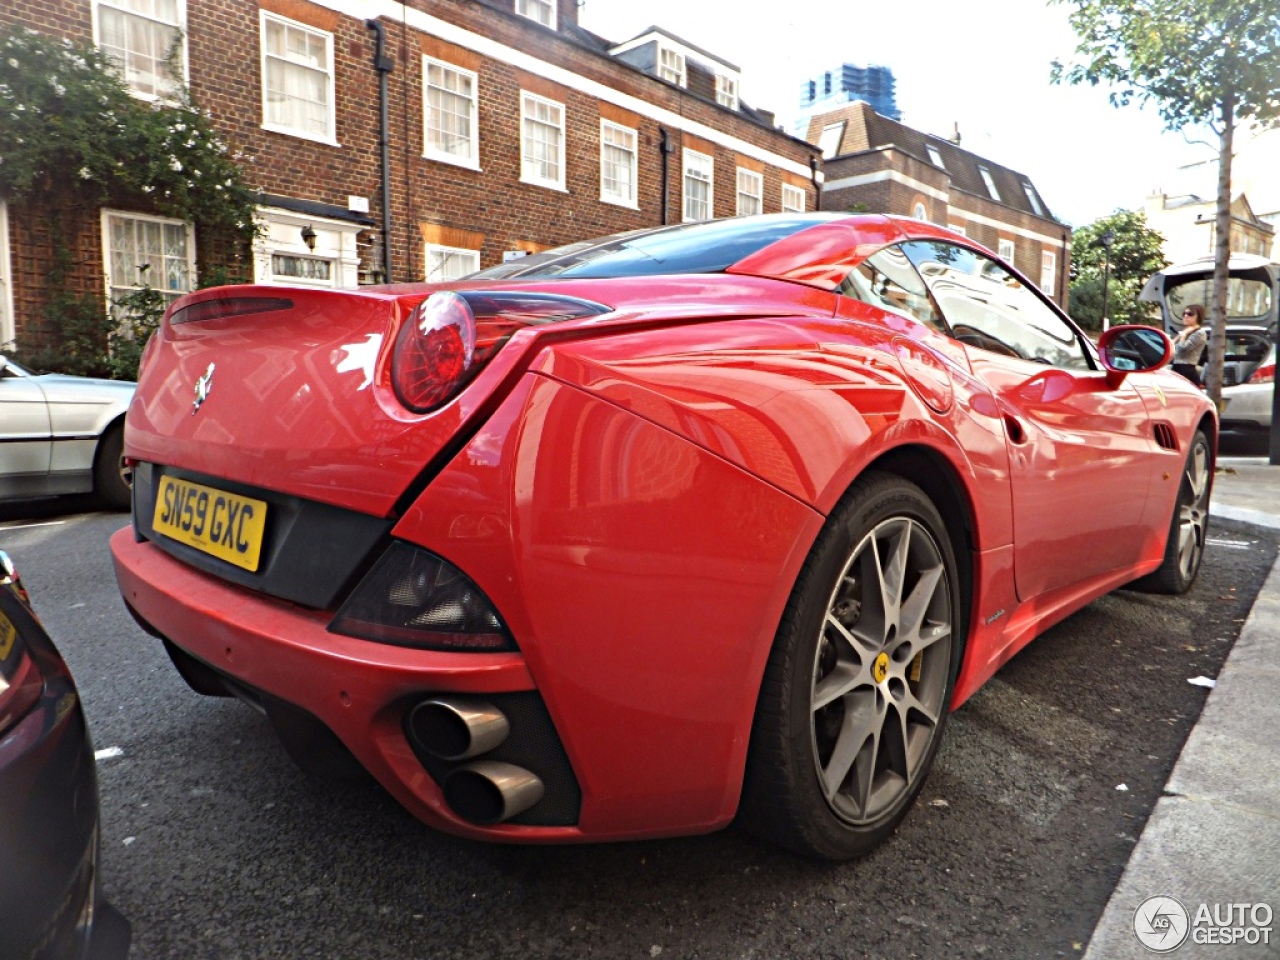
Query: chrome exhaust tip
point(488, 792)
point(457, 728)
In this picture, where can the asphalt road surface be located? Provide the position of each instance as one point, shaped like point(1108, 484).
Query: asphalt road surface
point(215, 846)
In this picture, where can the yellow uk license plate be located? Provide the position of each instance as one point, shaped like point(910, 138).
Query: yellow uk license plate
point(223, 525)
point(8, 633)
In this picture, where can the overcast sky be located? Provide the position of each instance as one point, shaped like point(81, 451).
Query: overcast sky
point(983, 64)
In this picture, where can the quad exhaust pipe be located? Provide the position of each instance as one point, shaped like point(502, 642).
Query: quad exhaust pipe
point(459, 728)
point(488, 791)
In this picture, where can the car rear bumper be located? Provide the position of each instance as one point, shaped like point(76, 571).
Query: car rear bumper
point(281, 658)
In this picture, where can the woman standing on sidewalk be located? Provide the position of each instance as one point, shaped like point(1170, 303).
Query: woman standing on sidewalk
point(1190, 343)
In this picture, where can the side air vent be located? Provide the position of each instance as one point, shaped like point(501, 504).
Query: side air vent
point(1165, 436)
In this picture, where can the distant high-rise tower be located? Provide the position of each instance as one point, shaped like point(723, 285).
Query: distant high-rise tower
point(847, 83)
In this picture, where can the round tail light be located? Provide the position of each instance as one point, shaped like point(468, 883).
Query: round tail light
point(434, 352)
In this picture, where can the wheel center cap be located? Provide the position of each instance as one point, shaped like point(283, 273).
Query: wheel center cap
point(880, 669)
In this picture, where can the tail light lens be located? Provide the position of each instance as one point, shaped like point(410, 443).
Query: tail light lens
point(450, 336)
point(413, 598)
point(1265, 373)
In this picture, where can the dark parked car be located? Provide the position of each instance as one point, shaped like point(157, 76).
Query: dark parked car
point(50, 905)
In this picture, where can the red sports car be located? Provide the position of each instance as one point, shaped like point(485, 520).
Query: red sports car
point(638, 537)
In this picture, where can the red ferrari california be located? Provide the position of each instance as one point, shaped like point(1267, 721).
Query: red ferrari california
point(645, 536)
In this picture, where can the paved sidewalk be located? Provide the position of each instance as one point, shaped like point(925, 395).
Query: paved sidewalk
point(1214, 837)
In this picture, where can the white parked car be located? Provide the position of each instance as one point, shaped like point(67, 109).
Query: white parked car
point(1246, 407)
point(61, 434)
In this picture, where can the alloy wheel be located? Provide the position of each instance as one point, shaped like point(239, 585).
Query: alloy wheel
point(881, 671)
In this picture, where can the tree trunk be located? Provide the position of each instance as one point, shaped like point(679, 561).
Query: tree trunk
point(1221, 253)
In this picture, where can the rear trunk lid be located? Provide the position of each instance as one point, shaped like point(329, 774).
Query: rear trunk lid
point(289, 390)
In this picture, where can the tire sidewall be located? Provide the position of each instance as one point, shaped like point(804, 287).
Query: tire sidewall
point(878, 499)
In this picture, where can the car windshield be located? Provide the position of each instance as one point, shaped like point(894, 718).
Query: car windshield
point(709, 246)
point(1247, 300)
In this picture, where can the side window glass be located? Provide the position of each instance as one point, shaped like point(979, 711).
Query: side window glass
point(988, 307)
point(888, 281)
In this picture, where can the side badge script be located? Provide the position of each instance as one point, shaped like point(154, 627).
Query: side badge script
point(203, 385)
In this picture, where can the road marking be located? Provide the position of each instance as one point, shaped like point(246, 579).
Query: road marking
point(28, 526)
point(1233, 544)
point(108, 754)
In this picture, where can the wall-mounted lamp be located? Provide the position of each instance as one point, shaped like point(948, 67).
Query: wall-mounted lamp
point(309, 237)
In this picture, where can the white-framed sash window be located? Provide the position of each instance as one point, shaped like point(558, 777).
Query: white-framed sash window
point(142, 250)
point(698, 187)
point(451, 132)
point(541, 11)
point(1048, 271)
point(542, 141)
point(792, 199)
point(617, 164)
point(727, 91)
point(750, 192)
point(671, 66)
point(147, 40)
point(449, 263)
point(1007, 249)
point(297, 79)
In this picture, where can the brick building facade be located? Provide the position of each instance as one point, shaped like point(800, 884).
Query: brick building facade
point(511, 129)
point(876, 164)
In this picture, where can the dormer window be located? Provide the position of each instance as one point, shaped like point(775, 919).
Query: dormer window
point(671, 66)
point(541, 11)
point(727, 91)
point(934, 156)
point(829, 142)
point(990, 182)
point(1033, 199)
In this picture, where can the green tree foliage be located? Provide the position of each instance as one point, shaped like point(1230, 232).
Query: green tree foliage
point(1135, 256)
point(1200, 62)
point(72, 139)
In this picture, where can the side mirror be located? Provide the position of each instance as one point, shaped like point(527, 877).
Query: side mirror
point(1133, 349)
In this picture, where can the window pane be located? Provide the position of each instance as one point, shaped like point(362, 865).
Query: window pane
point(297, 79)
point(988, 307)
point(147, 51)
point(887, 280)
point(145, 252)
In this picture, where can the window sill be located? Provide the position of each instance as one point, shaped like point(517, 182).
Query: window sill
point(615, 202)
point(465, 164)
point(301, 135)
point(545, 184)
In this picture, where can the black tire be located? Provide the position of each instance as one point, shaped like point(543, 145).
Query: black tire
point(109, 484)
point(1188, 527)
point(858, 678)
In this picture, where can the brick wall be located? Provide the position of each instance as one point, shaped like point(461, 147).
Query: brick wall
point(490, 204)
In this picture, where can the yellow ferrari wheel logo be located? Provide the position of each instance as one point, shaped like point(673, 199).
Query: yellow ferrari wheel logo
point(880, 669)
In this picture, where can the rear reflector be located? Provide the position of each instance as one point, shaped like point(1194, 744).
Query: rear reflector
point(412, 598)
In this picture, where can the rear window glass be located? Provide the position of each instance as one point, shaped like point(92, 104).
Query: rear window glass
point(709, 246)
point(1247, 300)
